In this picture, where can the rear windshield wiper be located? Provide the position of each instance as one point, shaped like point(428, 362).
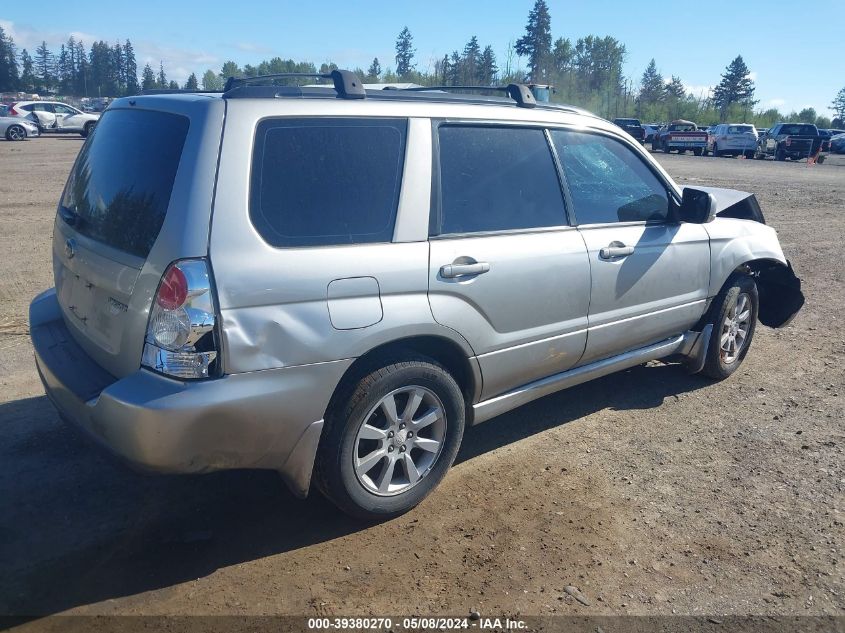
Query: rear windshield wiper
point(70, 216)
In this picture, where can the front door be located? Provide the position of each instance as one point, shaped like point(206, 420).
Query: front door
point(506, 270)
point(650, 275)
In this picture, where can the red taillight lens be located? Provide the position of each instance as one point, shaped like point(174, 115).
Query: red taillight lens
point(12, 110)
point(173, 289)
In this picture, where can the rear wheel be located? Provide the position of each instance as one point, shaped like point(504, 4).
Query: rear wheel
point(15, 133)
point(749, 154)
point(734, 319)
point(390, 438)
point(716, 152)
point(86, 131)
point(698, 151)
point(780, 154)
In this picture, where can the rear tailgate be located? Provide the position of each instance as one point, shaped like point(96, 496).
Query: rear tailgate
point(131, 205)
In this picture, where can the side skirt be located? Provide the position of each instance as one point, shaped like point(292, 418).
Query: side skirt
point(688, 345)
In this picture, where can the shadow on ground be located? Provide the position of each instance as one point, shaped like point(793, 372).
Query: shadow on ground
point(78, 527)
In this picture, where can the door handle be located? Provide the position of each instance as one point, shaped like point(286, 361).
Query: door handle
point(451, 271)
point(615, 250)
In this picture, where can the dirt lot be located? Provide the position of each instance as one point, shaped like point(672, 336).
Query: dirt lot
point(651, 491)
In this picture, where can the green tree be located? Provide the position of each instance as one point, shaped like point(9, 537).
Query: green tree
point(405, 52)
point(807, 115)
point(736, 87)
point(9, 74)
point(374, 70)
point(488, 69)
point(161, 80)
point(536, 44)
point(130, 69)
point(652, 90)
point(28, 79)
point(148, 78)
point(471, 59)
point(192, 83)
point(838, 107)
point(44, 66)
point(172, 85)
point(210, 81)
point(231, 69)
point(563, 55)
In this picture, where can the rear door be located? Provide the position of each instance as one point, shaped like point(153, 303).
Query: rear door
point(67, 118)
point(650, 275)
point(506, 269)
point(110, 215)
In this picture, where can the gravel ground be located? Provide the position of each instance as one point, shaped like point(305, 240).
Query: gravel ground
point(651, 491)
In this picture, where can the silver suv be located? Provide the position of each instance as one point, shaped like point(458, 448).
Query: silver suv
point(333, 282)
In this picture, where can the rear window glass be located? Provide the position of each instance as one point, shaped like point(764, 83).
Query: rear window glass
point(740, 129)
point(497, 179)
point(318, 182)
point(121, 182)
point(799, 130)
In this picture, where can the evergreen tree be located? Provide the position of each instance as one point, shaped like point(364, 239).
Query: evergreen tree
point(231, 69)
point(471, 61)
point(736, 87)
point(28, 79)
point(173, 85)
point(838, 107)
point(44, 66)
point(191, 83)
point(9, 74)
point(455, 63)
point(374, 70)
point(487, 70)
point(148, 78)
point(210, 81)
point(83, 70)
point(118, 69)
point(675, 88)
point(130, 69)
point(652, 89)
point(444, 71)
point(161, 80)
point(404, 53)
point(536, 44)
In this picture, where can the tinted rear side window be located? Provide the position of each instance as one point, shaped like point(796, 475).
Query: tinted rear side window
point(318, 182)
point(121, 182)
point(497, 179)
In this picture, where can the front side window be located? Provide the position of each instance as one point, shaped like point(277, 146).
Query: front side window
point(608, 182)
point(497, 179)
point(319, 182)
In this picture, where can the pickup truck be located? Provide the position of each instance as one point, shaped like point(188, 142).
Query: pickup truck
point(789, 140)
point(680, 135)
point(632, 127)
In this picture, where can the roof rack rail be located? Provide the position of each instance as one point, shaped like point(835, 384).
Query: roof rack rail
point(518, 92)
point(346, 83)
point(174, 91)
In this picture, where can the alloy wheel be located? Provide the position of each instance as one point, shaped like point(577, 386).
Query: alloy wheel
point(735, 327)
point(399, 441)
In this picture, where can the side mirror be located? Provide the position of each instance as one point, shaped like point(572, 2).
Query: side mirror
point(697, 207)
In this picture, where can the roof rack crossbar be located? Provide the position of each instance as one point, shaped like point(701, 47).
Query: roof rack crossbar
point(518, 92)
point(346, 83)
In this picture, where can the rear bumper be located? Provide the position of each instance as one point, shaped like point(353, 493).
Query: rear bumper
point(268, 419)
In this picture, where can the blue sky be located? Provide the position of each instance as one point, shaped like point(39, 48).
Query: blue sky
point(193, 36)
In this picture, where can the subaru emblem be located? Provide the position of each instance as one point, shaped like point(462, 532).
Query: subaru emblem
point(70, 248)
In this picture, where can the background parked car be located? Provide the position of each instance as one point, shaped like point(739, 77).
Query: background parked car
point(789, 140)
point(632, 127)
point(680, 135)
point(54, 116)
point(732, 139)
point(837, 144)
point(17, 129)
point(650, 129)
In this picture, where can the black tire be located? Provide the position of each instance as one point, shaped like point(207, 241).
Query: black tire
point(654, 146)
point(666, 148)
point(698, 151)
point(16, 133)
point(682, 151)
point(87, 129)
point(354, 405)
point(721, 363)
point(780, 155)
point(749, 154)
point(716, 152)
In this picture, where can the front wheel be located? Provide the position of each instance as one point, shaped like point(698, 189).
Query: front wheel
point(86, 131)
point(15, 133)
point(698, 151)
point(734, 319)
point(390, 438)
